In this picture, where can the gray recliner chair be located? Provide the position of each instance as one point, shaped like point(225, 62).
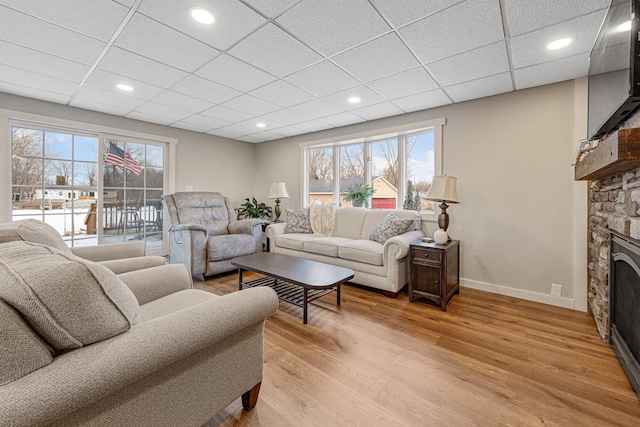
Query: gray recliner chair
point(205, 234)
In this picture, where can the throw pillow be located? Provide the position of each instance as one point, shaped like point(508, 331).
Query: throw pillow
point(68, 301)
point(391, 225)
point(323, 217)
point(31, 230)
point(298, 221)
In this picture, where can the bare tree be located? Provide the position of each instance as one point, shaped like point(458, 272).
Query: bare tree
point(390, 153)
point(91, 172)
point(63, 168)
point(320, 163)
point(352, 161)
point(27, 164)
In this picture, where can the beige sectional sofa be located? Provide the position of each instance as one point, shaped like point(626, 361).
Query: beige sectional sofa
point(382, 266)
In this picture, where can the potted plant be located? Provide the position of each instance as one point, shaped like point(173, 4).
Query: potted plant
point(359, 195)
point(251, 208)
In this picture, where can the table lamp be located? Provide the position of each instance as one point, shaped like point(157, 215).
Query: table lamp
point(277, 191)
point(443, 189)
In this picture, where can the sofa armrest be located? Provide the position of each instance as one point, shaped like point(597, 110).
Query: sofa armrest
point(157, 282)
point(187, 245)
point(110, 252)
point(120, 266)
point(86, 375)
point(195, 227)
point(398, 246)
point(250, 226)
point(273, 231)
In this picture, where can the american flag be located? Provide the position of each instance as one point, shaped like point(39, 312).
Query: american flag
point(118, 157)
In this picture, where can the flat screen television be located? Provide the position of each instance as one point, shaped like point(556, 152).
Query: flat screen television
point(614, 69)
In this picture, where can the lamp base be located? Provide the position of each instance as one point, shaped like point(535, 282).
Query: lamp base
point(277, 210)
point(441, 237)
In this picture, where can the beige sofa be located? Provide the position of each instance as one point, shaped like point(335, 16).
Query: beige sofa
point(82, 346)
point(382, 266)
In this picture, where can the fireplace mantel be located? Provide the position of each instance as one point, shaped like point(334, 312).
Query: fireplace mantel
point(617, 153)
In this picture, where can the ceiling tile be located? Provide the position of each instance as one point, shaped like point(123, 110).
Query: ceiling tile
point(404, 84)
point(282, 93)
point(272, 8)
point(551, 72)
point(149, 118)
point(108, 81)
point(252, 124)
point(252, 139)
point(234, 73)
point(128, 64)
point(482, 62)
point(251, 105)
point(342, 119)
point(204, 89)
point(100, 96)
point(263, 136)
point(233, 20)
point(96, 18)
point(32, 93)
point(423, 101)
point(531, 48)
point(460, 28)
point(167, 45)
point(366, 95)
point(274, 51)
point(36, 81)
point(316, 108)
point(163, 111)
point(322, 79)
point(377, 111)
point(182, 102)
point(32, 60)
point(487, 86)
point(232, 131)
point(331, 26)
point(525, 15)
point(208, 122)
point(43, 36)
point(191, 126)
point(88, 105)
point(227, 114)
point(401, 12)
point(127, 3)
point(364, 61)
point(313, 126)
point(286, 117)
point(288, 131)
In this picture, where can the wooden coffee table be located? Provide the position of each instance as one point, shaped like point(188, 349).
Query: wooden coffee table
point(297, 281)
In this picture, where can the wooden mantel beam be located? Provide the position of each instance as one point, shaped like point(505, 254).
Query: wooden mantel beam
point(618, 152)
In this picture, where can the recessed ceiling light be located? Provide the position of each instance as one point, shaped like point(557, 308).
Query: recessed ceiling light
point(354, 100)
point(261, 125)
point(202, 16)
point(625, 26)
point(124, 87)
point(560, 43)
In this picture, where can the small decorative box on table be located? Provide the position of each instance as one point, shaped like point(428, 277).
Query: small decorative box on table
point(434, 271)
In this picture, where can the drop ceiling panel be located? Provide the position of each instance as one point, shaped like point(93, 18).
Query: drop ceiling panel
point(272, 8)
point(366, 95)
point(233, 20)
point(232, 131)
point(378, 111)
point(322, 79)
point(487, 86)
point(286, 117)
point(313, 126)
point(342, 119)
point(262, 136)
point(43, 36)
point(422, 101)
point(551, 72)
point(204, 121)
point(36, 81)
point(251, 124)
point(227, 114)
point(108, 81)
point(100, 96)
point(30, 92)
point(330, 26)
point(182, 102)
point(96, 18)
point(32, 60)
point(174, 114)
point(316, 108)
point(234, 73)
point(167, 45)
point(404, 84)
point(471, 65)
point(204, 89)
point(191, 126)
point(401, 12)
point(149, 118)
point(274, 51)
point(531, 48)
point(282, 93)
point(288, 131)
point(251, 105)
point(460, 28)
point(95, 106)
point(121, 62)
point(364, 61)
point(526, 15)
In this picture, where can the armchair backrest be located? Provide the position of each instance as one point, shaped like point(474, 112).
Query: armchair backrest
point(212, 210)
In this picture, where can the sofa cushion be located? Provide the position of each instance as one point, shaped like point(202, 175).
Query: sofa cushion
point(173, 302)
point(390, 226)
point(375, 217)
point(324, 245)
point(323, 217)
point(21, 350)
point(366, 251)
point(349, 222)
point(204, 208)
point(31, 230)
point(298, 221)
point(294, 241)
point(220, 248)
point(68, 301)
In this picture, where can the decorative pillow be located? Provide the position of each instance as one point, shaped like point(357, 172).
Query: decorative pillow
point(391, 225)
point(32, 230)
point(21, 350)
point(298, 221)
point(68, 301)
point(323, 217)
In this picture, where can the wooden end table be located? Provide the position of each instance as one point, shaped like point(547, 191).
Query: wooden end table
point(434, 271)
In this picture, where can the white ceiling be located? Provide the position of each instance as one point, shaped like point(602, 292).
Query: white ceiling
point(290, 64)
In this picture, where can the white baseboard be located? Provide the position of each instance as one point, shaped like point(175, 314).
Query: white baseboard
point(518, 293)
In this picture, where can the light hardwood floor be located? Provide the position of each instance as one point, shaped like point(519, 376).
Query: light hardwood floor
point(489, 360)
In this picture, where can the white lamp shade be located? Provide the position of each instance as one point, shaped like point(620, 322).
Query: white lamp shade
point(278, 191)
point(444, 188)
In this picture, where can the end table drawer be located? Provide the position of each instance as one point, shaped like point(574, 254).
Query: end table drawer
point(433, 257)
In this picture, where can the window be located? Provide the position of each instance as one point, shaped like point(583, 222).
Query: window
point(399, 167)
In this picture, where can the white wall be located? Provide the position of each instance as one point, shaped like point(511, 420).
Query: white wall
point(512, 156)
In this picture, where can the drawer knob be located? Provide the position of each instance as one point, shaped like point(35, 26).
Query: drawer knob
point(426, 255)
